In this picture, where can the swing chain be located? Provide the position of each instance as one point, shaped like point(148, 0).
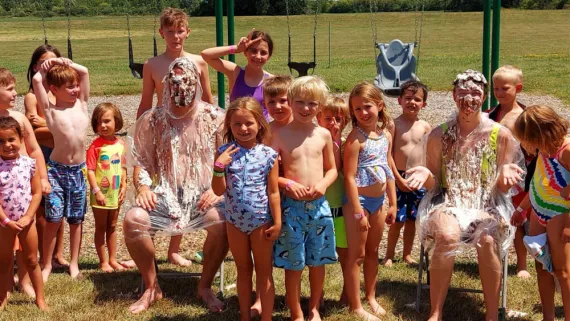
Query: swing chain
point(419, 40)
point(68, 9)
point(287, 10)
point(316, 17)
point(373, 26)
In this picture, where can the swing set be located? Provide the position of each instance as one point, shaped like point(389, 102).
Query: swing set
point(68, 13)
point(302, 68)
point(137, 67)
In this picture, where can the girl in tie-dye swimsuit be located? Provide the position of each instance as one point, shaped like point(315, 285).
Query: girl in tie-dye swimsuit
point(539, 127)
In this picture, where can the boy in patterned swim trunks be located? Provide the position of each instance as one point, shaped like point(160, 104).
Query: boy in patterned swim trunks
point(408, 131)
point(67, 119)
point(307, 233)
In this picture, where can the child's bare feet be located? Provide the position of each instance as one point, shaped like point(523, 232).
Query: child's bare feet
point(130, 264)
point(59, 262)
point(376, 308)
point(314, 315)
point(408, 259)
point(149, 297)
point(365, 315)
point(255, 309)
point(177, 259)
point(74, 272)
point(116, 266)
point(42, 305)
point(209, 298)
point(46, 271)
point(387, 262)
point(105, 267)
point(27, 288)
point(523, 274)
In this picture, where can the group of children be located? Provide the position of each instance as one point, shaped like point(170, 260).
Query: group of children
point(294, 186)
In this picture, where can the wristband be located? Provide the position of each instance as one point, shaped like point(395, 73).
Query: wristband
point(337, 143)
point(358, 215)
point(232, 49)
point(288, 186)
point(95, 190)
point(520, 209)
point(5, 221)
point(219, 174)
point(219, 165)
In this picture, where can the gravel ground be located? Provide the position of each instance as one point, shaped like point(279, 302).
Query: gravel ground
point(440, 106)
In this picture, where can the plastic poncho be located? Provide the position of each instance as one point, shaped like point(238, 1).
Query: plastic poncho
point(175, 151)
point(466, 171)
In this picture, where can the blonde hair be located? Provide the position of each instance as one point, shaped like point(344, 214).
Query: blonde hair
point(309, 87)
point(371, 93)
point(542, 127)
point(276, 85)
point(173, 17)
point(6, 77)
point(103, 108)
point(252, 105)
point(337, 106)
point(510, 72)
point(60, 75)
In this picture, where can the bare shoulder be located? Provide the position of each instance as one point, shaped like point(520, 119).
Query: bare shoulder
point(30, 102)
point(17, 115)
point(322, 131)
point(425, 125)
point(565, 154)
point(197, 59)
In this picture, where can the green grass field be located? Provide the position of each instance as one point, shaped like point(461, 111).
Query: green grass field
point(451, 42)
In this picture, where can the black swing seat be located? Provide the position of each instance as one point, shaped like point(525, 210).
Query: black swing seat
point(395, 65)
point(302, 68)
point(136, 69)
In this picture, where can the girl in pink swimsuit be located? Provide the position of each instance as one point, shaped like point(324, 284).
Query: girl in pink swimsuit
point(20, 195)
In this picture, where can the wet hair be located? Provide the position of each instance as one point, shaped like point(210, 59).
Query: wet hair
point(6, 77)
point(542, 127)
point(38, 53)
point(265, 37)
point(371, 93)
point(8, 122)
point(101, 109)
point(414, 86)
point(309, 87)
point(173, 17)
point(337, 106)
point(60, 75)
point(509, 72)
point(276, 85)
point(252, 105)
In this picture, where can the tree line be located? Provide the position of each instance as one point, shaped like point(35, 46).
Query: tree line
point(50, 8)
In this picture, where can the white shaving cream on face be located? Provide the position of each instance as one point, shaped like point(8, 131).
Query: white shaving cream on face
point(470, 89)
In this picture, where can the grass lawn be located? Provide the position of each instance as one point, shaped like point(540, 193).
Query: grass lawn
point(106, 297)
point(451, 42)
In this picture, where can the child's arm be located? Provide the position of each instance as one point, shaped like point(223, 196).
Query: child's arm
point(84, 83)
point(565, 193)
point(351, 150)
point(91, 164)
point(219, 175)
point(123, 190)
point(391, 189)
point(508, 155)
point(147, 90)
point(35, 152)
point(34, 204)
point(328, 165)
point(205, 81)
point(40, 91)
point(273, 232)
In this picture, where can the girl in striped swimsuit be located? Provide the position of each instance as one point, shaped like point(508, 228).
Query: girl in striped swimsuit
point(540, 127)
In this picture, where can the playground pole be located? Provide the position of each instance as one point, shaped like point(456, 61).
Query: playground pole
point(231, 39)
point(496, 44)
point(329, 43)
point(486, 43)
point(220, 42)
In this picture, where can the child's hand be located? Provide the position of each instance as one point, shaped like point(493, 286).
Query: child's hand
point(225, 158)
point(391, 216)
point(146, 198)
point(402, 185)
point(207, 200)
point(24, 221)
point(317, 191)
point(363, 224)
point(272, 233)
point(37, 122)
point(122, 194)
point(100, 198)
point(517, 219)
point(297, 190)
point(566, 234)
point(245, 42)
point(46, 186)
point(417, 177)
point(511, 174)
point(565, 192)
point(14, 226)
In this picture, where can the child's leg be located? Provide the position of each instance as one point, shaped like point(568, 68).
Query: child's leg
point(520, 250)
point(560, 251)
point(293, 294)
point(241, 251)
point(40, 226)
point(546, 286)
point(316, 280)
point(262, 249)
point(409, 235)
point(50, 233)
point(112, 217)
point(29, 241)
point(375, 233)
point(24, 282)
point(7, 238)
point(173, 256)
point(393, 235)
point(101, 216)
point(342, 259)
point(75, 236)
point(58, 255)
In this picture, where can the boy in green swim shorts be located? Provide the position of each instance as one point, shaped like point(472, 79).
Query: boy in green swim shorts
point(334, 116)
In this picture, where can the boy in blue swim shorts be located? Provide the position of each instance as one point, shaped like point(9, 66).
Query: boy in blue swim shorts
point(407, 131)
point(67, 120)
point(307, 231)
